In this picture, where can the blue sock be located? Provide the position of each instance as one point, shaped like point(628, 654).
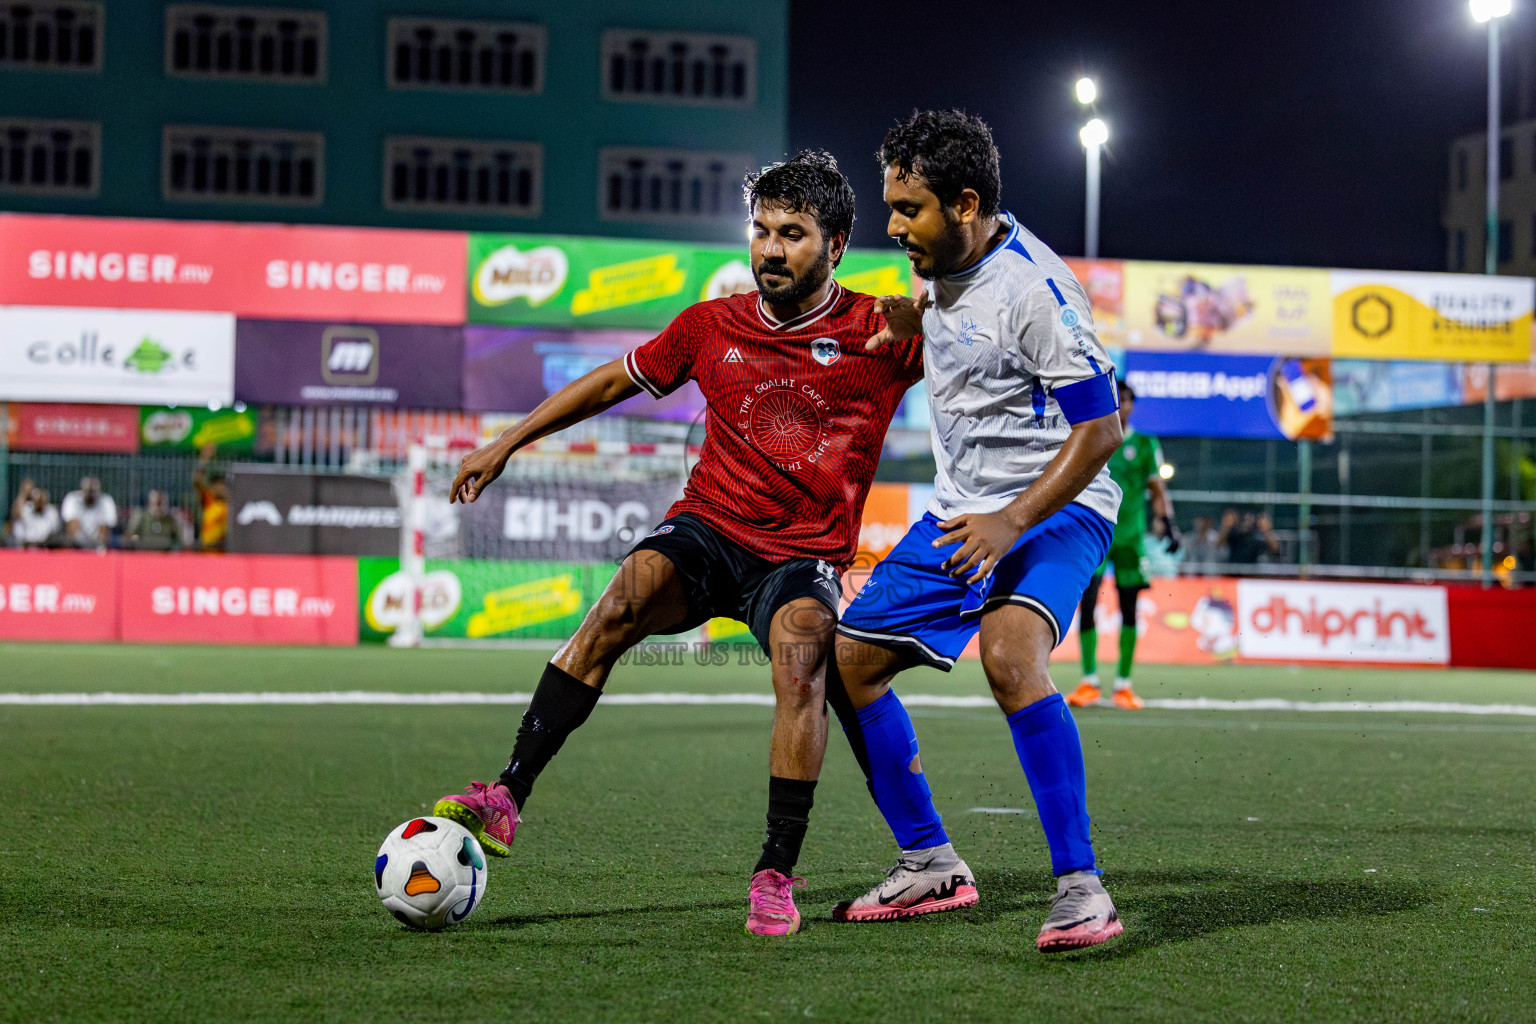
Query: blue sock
point(900, 792)
point(1051, 752)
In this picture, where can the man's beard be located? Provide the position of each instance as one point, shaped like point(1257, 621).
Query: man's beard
point(945, 253)
point(790, 289)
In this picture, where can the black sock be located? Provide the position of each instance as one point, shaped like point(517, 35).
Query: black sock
point(560, 704)
point(789, 812)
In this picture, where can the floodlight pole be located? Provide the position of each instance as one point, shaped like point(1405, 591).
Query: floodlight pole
point(1091, 213)
point(1490, 266)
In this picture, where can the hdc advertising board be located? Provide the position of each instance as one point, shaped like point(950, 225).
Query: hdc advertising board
point(116, 356)
point(251, 270)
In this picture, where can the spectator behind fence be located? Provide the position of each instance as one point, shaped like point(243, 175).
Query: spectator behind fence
point(1248, 537)
point(34, 520)
point(153, 527)
point(1203, 544)
point(89, 516)
point(213, 496)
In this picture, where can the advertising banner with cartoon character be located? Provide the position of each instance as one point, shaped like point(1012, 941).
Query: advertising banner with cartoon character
point(1467, 318)
point(1262, 397)
point(1179, 621)
point(1204, 307)
point(564, 281)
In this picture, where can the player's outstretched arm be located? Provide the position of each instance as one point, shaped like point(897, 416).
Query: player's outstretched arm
point(984, 539)
point(603, 388)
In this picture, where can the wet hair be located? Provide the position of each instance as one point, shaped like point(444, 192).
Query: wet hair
point(808, 182)
point(948, 151)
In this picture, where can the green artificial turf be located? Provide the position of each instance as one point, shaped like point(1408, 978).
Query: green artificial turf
point(181, 863)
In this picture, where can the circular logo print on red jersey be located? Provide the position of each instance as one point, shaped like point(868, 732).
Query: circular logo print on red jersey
point(826, 351)
point(785, 424)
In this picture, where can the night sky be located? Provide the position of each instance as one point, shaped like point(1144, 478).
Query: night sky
point(1303, 133)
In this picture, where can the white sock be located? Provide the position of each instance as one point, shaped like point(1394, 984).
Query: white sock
point(1122, 684)
point(1091, 680)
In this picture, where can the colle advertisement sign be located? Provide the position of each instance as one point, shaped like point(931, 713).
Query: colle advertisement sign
point(252, 270)
point(116, 356)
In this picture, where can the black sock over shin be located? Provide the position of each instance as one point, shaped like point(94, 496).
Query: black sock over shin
point(789, 812)
point(560, 704)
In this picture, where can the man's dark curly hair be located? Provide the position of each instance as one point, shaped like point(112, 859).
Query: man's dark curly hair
point(949, 151)
point(810, 182)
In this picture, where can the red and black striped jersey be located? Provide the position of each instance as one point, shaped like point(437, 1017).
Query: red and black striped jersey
point(796, 417)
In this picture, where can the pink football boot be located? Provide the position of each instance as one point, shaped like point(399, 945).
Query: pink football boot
point(773, 904)
point(488, 812)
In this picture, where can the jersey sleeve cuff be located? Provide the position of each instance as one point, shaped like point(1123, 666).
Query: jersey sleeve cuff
point(643, 382)
point(1088, 399)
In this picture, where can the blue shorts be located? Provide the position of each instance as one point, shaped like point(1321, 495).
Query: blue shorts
point(911, 603)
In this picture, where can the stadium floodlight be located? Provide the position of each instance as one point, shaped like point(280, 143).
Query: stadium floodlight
point(1094, 133)
point(1484, 11)
point(1087, 90)
point(1165, 471)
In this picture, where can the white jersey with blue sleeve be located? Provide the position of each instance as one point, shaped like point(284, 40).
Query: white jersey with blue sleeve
point(1012, 361)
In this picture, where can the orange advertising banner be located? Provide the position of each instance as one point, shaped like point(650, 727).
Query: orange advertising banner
point(1187, 620)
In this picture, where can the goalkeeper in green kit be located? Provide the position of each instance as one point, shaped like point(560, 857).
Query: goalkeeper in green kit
point(1135, 467)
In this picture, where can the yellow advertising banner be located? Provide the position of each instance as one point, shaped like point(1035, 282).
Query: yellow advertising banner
point(1206, 307)
point(1453, 318)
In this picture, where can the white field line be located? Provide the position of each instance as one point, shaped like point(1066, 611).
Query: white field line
point(381, 697)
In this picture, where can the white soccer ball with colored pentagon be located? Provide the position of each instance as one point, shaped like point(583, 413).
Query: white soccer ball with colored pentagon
point(430, 873)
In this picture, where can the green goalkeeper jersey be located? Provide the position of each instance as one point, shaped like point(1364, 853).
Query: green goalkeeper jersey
point(1134, 463)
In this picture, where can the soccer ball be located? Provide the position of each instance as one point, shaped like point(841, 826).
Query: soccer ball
point(430, 873)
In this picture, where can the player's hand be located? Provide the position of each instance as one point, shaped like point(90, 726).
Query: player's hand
point(477, 470)
point(903, 318)
point(984, 539)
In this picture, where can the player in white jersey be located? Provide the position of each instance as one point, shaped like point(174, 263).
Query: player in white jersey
point(1024, 419)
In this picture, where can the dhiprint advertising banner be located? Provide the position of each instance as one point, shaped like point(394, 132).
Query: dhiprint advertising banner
point(251, 270)
point(1305, 620)
point(562, 281)
point(1198, 395)
point(1466, 318)
point(513, 369)
point(1203, 307)
point(298, 362)
point(116, 356)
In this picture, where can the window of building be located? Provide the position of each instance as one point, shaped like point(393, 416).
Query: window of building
point(242, 165)
point(51, 35)
point(463, 175)
point(1461, 170)
point(669, 184)
point(1506, 158)
point(679, 67)
point(1461, 250)
point(258, 44)
point(479, 56)
point(49, 158)
point(1506, 241)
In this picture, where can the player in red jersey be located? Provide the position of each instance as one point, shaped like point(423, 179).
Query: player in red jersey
point(797, 414)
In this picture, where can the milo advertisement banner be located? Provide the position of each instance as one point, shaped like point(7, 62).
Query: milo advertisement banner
point(480, 600)
point(165, 428)
point(563, 281)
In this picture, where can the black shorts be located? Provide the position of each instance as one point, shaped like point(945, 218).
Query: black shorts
point(725, 579)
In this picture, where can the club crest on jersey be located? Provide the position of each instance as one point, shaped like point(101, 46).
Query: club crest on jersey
point(826, 351)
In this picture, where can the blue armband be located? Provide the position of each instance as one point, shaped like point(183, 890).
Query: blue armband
point(1089, 399)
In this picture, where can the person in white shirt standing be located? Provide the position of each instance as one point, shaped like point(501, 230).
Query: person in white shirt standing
point(89, 515)
point(1025, 417)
